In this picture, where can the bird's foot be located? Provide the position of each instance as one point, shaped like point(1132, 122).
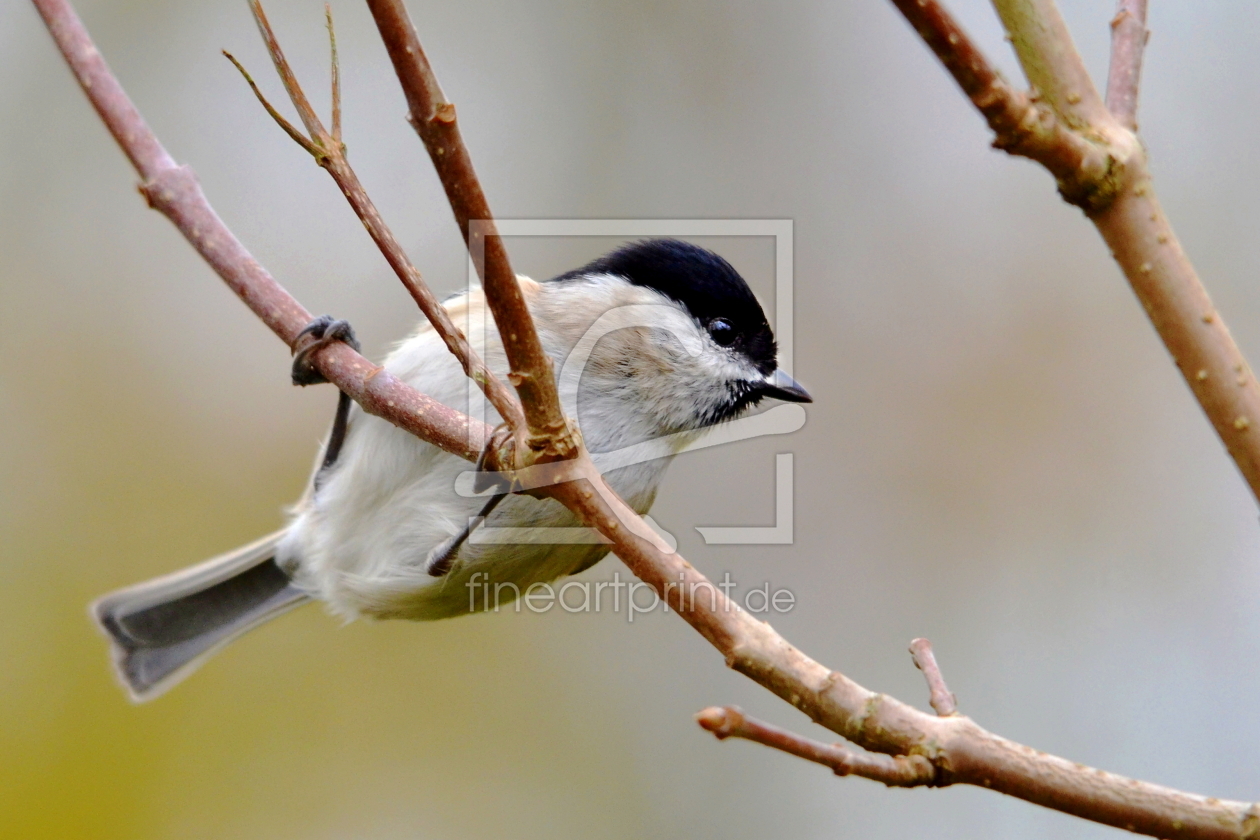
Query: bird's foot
point(317, 335)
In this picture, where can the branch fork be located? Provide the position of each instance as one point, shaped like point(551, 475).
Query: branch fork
point(894, 771)
point(922, 764)
point(1090, 147)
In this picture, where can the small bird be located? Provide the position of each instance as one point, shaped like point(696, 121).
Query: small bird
point(652, 343)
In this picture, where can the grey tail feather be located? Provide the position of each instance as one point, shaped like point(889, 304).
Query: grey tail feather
point(162, 630)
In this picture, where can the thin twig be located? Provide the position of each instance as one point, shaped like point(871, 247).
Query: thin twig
point(941, 698)
point(1128, 42)
point(894, 771)
point(289, 129)
point(433, 118)
point(329, 153)
point(335, 75)
point(961, 751)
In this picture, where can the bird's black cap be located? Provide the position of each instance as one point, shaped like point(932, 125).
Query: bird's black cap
point(707, 285)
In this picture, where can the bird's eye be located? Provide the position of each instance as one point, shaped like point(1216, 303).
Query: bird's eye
point(722, 331)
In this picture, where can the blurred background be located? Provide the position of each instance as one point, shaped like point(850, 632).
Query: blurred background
point(1000, 455)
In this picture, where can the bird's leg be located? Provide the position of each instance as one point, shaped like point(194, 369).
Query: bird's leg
point(442, 558)
point(317, 335)
point(337, 436)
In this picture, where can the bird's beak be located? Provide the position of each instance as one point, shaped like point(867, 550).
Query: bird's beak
point(783, 387)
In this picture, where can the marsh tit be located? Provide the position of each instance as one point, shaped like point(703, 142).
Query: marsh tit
point(651, 343)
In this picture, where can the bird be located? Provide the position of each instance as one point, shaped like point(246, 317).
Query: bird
point(653, 343)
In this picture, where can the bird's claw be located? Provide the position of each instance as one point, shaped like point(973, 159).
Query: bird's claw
point(317, 335)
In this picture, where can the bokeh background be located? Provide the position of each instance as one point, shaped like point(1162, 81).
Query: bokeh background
point(1000, 457)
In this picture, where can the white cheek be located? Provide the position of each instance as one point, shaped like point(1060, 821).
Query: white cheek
point(632, 364)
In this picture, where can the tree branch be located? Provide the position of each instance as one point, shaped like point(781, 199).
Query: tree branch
point(433, 118)
point(1128, 41)
point(330, 153)
point(894, 771)
point(173, 190)
point(962, 751)
point(1022, 125)
point(958, 750)
point(1120, 200)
